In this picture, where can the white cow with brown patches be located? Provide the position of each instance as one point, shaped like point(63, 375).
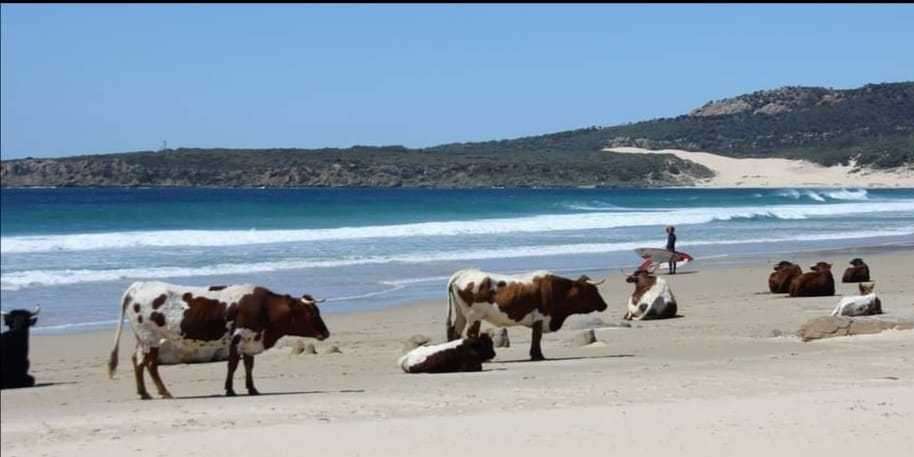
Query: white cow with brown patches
point(178, 324)
point(652, 298)
point(539, 300)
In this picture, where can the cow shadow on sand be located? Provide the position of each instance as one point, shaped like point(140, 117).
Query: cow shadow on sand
point(270, 394)
point(41, 384)
point(558, 359)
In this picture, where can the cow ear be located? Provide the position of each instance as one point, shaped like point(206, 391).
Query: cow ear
point(33, 321)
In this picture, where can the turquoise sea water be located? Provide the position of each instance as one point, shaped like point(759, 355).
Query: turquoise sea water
point(74, 251)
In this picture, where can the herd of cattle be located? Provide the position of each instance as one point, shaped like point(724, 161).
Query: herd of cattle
point(789, 278)
point(176, 324)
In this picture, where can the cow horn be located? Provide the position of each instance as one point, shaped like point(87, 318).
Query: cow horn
point(37, 310)
point(596, 283)
point(320, 301)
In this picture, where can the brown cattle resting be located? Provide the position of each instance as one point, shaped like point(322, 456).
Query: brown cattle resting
point(784, 273)
point(816, 283)
point(177, 324)
point(539, 300)
point(857, 272)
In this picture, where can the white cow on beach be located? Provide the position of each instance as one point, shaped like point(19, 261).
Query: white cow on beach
point(652, 298)
point(865, 304)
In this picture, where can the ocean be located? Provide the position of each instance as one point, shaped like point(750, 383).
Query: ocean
point(75, 250)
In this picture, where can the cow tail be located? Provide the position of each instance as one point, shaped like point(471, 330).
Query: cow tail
point(451, 302)
point(112, 360)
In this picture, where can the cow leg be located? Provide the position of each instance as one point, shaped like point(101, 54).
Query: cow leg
point(138, 369)
point(536, 351)
point(152, 362)
point(456, 331)
point(232, 366)
point(249, 374)
point(473, 331)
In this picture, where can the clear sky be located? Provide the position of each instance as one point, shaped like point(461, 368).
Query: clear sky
point(97, 78)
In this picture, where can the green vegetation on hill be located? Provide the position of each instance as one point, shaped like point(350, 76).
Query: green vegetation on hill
point(872, 126)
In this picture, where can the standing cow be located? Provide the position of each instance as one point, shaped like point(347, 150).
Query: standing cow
point(652, 298)
point(784, 273)
point(177, 324)
point(539, 300)
point(857, 272)
point(15, 348)
point(817, 283)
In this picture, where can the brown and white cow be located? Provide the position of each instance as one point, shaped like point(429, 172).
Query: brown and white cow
point(652, 298)
point(177, 324)
point(857, 272)
point(816, 283)
point(784, 273)
point(865, 304)
point(539, 300)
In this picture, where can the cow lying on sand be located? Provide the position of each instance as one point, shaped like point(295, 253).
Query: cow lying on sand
point(816, 283)
point(177, 324)
point(459, 355)
point(14, 348)
point(865, 304)
point(784, 273)
point(857, 272)
point(539, 300)
point(652, 298)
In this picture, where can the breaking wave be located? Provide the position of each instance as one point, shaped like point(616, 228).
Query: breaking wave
point(35, 278)
point(532, 224)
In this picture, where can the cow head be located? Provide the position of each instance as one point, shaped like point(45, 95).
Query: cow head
point(782, 264)
point(639, 277)
point(301, 317)
point(857, 262)
point(866, 289)
point(482, 345)
point(585, 296)
point(821, 267)
point(20, 319)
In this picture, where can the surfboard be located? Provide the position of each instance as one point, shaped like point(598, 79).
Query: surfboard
point(662, 256)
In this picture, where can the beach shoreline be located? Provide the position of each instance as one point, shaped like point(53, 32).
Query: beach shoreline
point(727, 377)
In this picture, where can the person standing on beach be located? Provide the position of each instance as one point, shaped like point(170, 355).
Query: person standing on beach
point(671, 246)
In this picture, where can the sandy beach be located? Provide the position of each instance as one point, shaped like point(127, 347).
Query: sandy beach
point(726, 378)
point(774, 172)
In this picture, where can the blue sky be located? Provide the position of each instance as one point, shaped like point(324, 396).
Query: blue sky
point(96, 78)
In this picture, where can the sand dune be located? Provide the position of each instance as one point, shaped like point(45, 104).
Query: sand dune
point(733, 172)
point(713, 382)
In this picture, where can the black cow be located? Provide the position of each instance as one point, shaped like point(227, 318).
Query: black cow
point(15, 348)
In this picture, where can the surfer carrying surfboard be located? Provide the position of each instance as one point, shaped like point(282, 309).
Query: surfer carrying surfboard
point(671, 246)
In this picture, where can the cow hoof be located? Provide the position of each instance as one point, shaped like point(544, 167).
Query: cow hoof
point(537, 358)
point(253, 392)
point(229, 393)
point(145, 397)
point(167, 396)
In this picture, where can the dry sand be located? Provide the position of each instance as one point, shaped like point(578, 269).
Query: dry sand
point(732, 172)
point(713, 382)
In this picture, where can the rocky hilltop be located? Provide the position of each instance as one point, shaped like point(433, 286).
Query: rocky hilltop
point(868, 127)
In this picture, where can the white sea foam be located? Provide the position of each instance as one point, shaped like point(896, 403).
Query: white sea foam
point(34, 278)
point(531, 224)
point(814, 195)
point(845, 194)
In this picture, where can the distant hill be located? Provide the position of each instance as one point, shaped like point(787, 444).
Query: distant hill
point(872, 126)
